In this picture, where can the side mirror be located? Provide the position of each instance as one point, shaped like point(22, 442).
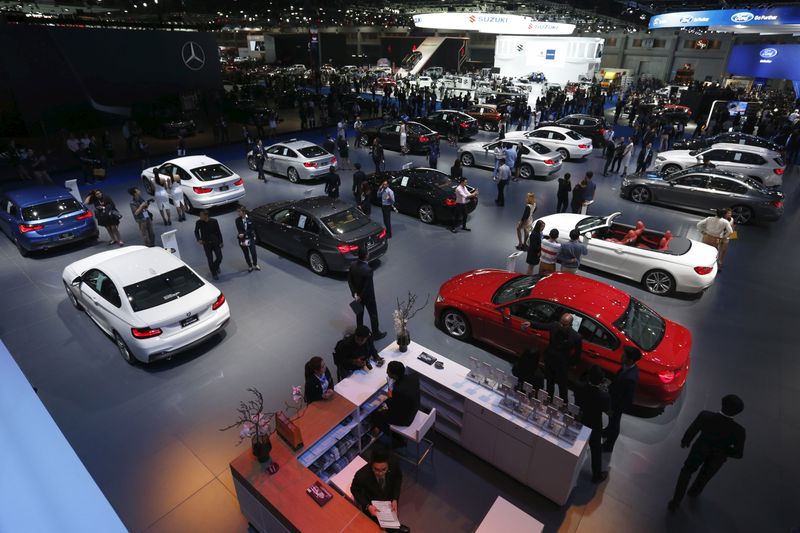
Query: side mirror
point(77, 281)
point(506, 314)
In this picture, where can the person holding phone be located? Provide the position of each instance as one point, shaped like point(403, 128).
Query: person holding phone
point(246, 234)
point(142, 216)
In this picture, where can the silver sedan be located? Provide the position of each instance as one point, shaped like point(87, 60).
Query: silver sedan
point(537, 160)
point(568, 143)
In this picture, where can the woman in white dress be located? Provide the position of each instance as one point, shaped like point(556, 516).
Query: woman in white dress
point(626, 156)
point(526, 222)
point(404, 138)
point(177, 197)
point(162, 196)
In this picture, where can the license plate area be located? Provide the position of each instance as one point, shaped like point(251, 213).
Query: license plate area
point(65, 236)
point(224, 188)
point(191, 320)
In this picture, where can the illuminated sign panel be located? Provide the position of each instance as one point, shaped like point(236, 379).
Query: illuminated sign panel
point(491, 23)
point(728, 17)
point(766, 61)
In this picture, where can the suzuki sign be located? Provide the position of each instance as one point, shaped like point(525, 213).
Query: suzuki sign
point(490, 23)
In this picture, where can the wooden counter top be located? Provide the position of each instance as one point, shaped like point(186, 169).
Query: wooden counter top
point(321, 417)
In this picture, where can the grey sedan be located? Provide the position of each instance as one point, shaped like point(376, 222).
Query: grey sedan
point(324, 231)
point(537, 160)
point(707, 190)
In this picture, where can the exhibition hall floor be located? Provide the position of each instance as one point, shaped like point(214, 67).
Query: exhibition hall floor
point(150, 435)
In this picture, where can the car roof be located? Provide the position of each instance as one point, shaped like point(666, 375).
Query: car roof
point(317, 205)
point(193, 161)
point(294, 143)
point(558, 129)
point(600, 300)
point(27, 196)
point(581, 115)
point(742, 147)
point(699, 169)
point(138, 264)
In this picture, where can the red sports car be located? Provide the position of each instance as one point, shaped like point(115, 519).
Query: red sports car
point(497, 306)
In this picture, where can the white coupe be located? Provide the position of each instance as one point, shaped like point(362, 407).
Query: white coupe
point(663, 263)
point(205, 182)
point(150, 302)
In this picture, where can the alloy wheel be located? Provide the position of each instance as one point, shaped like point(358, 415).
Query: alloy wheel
point(317, 263)
point(123, 349)
point(426, 213)
point(71, 296)
point(467, 160)
point(564, 153)
point(742, 214)
point(292, 175)
point(640, 195)
point(659, 282)
point(455, 324)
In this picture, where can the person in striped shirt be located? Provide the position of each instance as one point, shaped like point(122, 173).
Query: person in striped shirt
point(550, 249)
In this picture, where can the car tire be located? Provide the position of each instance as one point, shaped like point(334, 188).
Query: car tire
point(670, 169)
point(426, 214)
point(317, 263)
point(486, 126)
point(189, 206)
point(526, 171)
point(123, 349)
point(456, 324)
point(292, 174)
point(71, 296)
point(21, 249)
point(251, 163)
point(658, 282)
point(467, 160)
point(564, 153)
point(641, 194)
point(148, 186)
point(742, 214)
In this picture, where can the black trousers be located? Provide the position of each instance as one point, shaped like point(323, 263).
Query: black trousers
point(612, 430)
point(377, 165)
point(372, 308)
point(561, 204)
point(387, 219)
point(260, 168)
point(249, 252)
point(501, 192)
point(460, 216)
point(556, 374)
point(214, 257)
point(608, 164)
point(708, 465)
point(616, 164)
point(596, 449)
point(576, 207)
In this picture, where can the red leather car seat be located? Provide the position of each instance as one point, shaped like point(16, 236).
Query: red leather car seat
point(664, 244)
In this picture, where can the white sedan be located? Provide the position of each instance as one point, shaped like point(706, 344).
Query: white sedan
point(205, 182)
point(568, 143)
point(150, 302)
point(663, 263)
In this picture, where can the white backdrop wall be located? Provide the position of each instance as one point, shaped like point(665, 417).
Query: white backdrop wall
point(561, 59)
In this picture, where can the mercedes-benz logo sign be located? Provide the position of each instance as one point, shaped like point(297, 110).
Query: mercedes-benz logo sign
point(743, 16)
point(768, 53)
point(193, 55)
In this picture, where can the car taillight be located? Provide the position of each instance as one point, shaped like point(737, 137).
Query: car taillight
point(219, 302)
point(145, 333)
point(333, 161)
point(602, 131)
point(583, 146)
point(777, 204)
point(202, 190)
point(347, 248)
point(239, 182)
point(25, 228)
point(309, 164)
point(84, 216)
point(778, 171)
point(549, 162)
point(424, 139)
point(703, 270)
point(449, 202)
point(464, 125)
point(382, 234)
point(667, 376)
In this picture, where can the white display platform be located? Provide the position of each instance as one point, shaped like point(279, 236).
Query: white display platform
point(43, 484)
point(503, 516)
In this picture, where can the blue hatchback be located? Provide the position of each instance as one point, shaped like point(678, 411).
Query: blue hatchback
point(42, 217)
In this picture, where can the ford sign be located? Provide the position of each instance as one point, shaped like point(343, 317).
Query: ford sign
point(743, 16)
point(686, 20)
point(768, 53)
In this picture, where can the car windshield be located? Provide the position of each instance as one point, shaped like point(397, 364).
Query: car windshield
point(590, 223)
point(540, 149)
point(573, 135)
point(346, 221)
point(641, 325)
point(313, 151)
point(760, 187)
point(50, 209)
point(441, 180)
point(514, 289)
point(212, 172)
point(162, 289)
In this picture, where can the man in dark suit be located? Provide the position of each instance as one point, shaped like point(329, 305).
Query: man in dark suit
point(362, 288)
point(261, 156)
point(594, 401)
point(645, 158)
point(354, 352)
point(403, 402)
point(564, 350)
point(246, 234)
point(358, 179)
point(377, 481)
point(622, 390)
point(719, 438)
point(207, 233)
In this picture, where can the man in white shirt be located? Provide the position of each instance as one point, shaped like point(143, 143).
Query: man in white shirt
point(715, 229)
point(503, 177)
point(499, 154)
point(463, 197)
point(550, 249)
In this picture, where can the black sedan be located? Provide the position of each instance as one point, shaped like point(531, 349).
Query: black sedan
point(449, 120)
point(423, 192)
point(418, 136)
point(707, 190)
point(727, 137)
point(323, 231)
point(586, 125)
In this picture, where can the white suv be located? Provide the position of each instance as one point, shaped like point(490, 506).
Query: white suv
point(761, 164)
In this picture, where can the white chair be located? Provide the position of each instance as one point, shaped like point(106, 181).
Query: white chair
point(416, 432)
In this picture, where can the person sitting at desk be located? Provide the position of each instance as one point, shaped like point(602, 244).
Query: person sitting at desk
point(353, 353)
point(403, 402)
point(377, 481)
point(319, 383)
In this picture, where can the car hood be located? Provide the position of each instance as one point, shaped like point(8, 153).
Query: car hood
point(673, 350)
point(678, 155)
point(476, 285)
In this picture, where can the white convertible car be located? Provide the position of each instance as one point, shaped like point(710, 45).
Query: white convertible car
point(205, 182)
point(663, 263)
point(149, 301)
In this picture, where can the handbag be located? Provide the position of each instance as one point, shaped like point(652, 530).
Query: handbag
point(99, 172)
point(734, 235)
point(116, 214)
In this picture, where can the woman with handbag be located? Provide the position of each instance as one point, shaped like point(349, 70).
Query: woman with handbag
point(106, 214)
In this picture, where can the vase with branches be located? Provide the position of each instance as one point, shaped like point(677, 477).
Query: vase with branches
point(406, 310)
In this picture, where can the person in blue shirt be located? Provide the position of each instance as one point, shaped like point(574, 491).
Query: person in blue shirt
point(569, 255)
point(386, 195)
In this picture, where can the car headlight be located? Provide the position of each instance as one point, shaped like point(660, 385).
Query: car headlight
point(625, 183)
point(659, 158)
point(439, 298)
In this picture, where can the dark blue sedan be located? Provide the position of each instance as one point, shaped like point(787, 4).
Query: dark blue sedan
point(43, 217)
